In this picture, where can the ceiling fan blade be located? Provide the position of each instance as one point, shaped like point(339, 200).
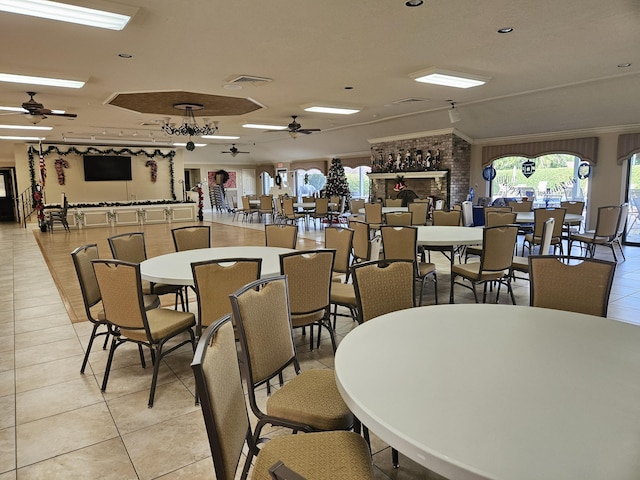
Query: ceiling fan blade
point(307, 131)
point(68, 115)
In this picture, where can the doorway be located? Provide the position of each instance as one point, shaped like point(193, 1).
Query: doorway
point(632, 231)
point(7, 195)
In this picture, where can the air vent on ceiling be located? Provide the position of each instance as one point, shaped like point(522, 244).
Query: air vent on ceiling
point(249, 79)
point(411, 100)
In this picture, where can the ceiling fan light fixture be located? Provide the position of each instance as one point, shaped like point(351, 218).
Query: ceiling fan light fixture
point(261, 126)
point(189, 127)
point(331, 110)
point(69, 13)
point(449, 78)
point(49, 82)
point(185, 144)
point(414, 3)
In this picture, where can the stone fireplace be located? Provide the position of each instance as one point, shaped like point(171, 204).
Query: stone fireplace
point(450, 182)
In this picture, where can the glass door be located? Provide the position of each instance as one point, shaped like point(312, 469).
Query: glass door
point(632, 232)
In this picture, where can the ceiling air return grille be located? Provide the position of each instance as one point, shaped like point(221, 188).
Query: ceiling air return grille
point(411, 100)
point(242, 79)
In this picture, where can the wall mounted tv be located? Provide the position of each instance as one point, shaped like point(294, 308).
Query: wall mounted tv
point(98, 168)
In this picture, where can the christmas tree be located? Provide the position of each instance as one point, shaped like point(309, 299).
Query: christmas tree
point(337, 184)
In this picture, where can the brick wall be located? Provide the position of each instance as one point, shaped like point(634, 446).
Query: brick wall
point(455, 156)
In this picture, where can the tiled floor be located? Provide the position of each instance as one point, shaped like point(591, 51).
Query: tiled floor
point(56, 423)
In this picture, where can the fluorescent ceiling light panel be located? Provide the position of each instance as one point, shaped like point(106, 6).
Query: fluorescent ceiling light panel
point(333, 110)
point(448, 78)
point(22, 110)
point(218, 137)
point(184, 144)
point(264, 126)
point(27, 139)
point(50, 82)
point(66, 13)
point(25, 127)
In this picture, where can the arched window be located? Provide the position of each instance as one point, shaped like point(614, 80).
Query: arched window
point(358, 181)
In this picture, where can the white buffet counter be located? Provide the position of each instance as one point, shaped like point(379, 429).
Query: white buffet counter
point(135, 214)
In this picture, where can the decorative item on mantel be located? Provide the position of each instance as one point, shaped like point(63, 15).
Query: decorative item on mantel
point(405, 161)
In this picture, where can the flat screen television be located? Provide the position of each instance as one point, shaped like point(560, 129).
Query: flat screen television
point(98, 168)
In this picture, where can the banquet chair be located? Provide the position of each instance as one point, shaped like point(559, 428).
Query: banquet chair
point(583, 288)
point(191, 238)
point(419, 213)
point(91, 298)
point(310, 401)
point(321, 212)
point(361, 239)
point(606, 230)
point(291, 215)
point(309, 280)
point(383, 286)
point(401, 242)
point(373, 215)
point(131, 247)
point(622, 222)
point(334, 455)
point(342, 293)
point(521, 264)
point(393, 202)
point(540, 215)
point(241, 208)
point(59, 216)
point(492, 219)
point(338, 214)
point(266, 206)
point(215, 280)
point(444, 218)
point(121, 288)
point(282, 236)
point(520, 205)
point(355, 206)
point(498, 244)
point(249, 210)
point(489, 210)
point(398, 218)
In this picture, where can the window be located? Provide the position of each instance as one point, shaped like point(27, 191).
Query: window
point(309, 182)
point(358, 181)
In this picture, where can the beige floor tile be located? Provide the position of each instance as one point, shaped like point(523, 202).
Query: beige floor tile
point(130, 412)
point(7, 411)
point(7, 449)
point(25, 292)
point(50, 373)
point(107, 460)
point(45, 336)
point(8, 475)
point(63, 433)
point(54, 399)
point(42, 352)
point(39, 323)
point(7, 361)
point(126, 355)
point(168, 446)
point(7, 382)
point(7, 341)
point(201, 469)
point(132, 379)
point(40, 311)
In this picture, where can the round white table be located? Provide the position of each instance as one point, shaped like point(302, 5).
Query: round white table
point(499, 392)
point(434, 236)
point(175, 268)
point(389, 209)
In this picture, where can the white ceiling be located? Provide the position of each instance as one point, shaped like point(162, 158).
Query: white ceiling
point(557, 71)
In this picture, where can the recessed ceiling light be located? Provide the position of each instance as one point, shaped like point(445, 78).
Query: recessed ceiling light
point(67, 13)
point(265, 126)
point(505, 30)
point(414, 3)
point(125, 55)
point(448, 78)
point(25, 127)
point(50, 82)
point(26, 139)
point(332, 110)
point(348, 88)
point(624, 65)
point(218, 137)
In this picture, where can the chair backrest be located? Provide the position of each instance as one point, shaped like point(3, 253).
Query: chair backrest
point(540, 215)
point(622, 219)
point(266, 203)
point(582, 287)
point(309, 278)
point(467, 214)
point(283, 236)
point(393, 202)
point(121, 289)
point(398, 218)
point(383, 286)
point(607, 223)
point(287, 207)
point(262, 315)
point(219, 385)
point(322, 206)
point(373, 212)
point(547, 236)
point(520, 205)
point(308, 199)
point(488, 210)
point(129, 247)
point(192, 237)
point(419, 212)
point(335, 199)
point(215, 280)
point(399, 242)
point(494, 218)
point(341, 240)
point(498, 244)
point(573, 206)
point(82, 257)
point(361, 238)
point(447, 219)
point(355, 206)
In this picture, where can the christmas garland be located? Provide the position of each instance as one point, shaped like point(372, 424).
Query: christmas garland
point(154, 169)
point(60, 164)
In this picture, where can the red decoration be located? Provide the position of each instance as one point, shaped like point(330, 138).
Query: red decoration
point(60, 164)
point(154, 169)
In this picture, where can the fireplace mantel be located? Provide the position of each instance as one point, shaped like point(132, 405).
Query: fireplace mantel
point(435, 174)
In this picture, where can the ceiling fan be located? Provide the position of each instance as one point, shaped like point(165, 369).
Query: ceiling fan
point(295, 128)
point(36, 111)
point(233, 150)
